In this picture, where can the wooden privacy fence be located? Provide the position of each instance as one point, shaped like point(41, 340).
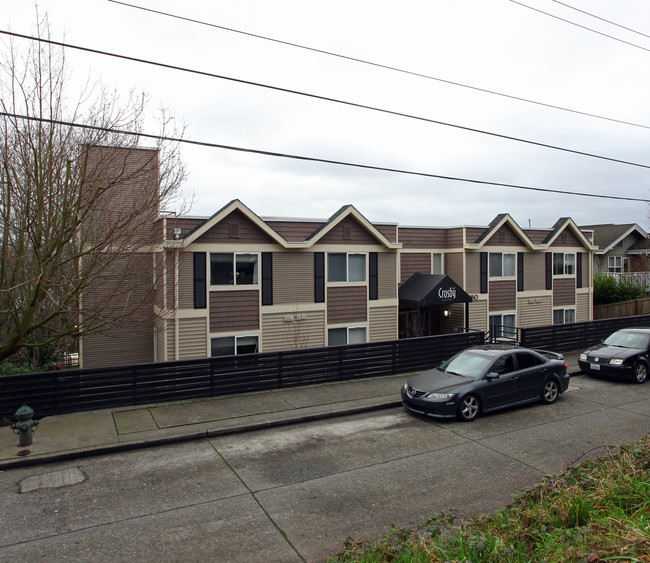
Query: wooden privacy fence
point(59, 392)
point(635, 307)
point(576, 336)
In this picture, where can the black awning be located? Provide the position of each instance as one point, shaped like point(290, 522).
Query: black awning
point(425, 290)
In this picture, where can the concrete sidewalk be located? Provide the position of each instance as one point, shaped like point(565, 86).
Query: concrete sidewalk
point(79, 434)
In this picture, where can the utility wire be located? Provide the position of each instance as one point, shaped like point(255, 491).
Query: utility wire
point(592, 16)
point(309, 158)
point(326, 99)
point(580, 26)
point(383, 66)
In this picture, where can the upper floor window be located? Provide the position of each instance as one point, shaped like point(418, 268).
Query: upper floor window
point(233, 268)
point(564, 264)
point(502, 264)
point(346, 267)
point(437, 263)
point(618, 264)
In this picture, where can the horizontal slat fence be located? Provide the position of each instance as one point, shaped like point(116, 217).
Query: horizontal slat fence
point(577, 336)
point(59, 392)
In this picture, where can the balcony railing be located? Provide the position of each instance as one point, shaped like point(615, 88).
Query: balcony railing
point(632, 277)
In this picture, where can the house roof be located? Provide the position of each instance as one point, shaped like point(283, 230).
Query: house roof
point(606, 236)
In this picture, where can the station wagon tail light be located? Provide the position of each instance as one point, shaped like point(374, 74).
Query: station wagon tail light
point(616, 362)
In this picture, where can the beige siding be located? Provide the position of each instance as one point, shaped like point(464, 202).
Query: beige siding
point(293, 278)
point(564, 291)
point(534, 311)
point(186, 280)
point(454, 266)
point(192, 338)
point(231, 311)
point(583, 307)
point(478, 317)
point(387, 267)
point(502, 296)
point(473, 273)
point(292, 330)
point(455, 320)
point(383, 324)
point(414, 263)
point(534, 271)
point(170, 341)
point(347, 305)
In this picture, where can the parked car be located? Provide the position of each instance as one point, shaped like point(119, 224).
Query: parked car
point(623, 354)
point(484, 379)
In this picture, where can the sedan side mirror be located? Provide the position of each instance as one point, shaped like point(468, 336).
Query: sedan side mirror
point(492, 375)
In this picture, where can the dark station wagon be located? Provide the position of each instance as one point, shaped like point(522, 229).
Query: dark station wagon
point(486, 378)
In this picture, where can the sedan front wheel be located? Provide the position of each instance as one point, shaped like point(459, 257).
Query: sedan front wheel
point(550, 392)
point(469, 408)
point(640, 372)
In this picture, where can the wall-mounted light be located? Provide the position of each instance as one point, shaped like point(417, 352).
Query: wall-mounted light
point(445, 313)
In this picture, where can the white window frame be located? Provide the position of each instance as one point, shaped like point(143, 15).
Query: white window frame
point(234, 269)
point(503, 264)
point(564, 263)
point(618, 264)
point(347, 267)
point(503, 328)
point(347, 334)
point(564, 312)
point(236, 338)
point(442, 263)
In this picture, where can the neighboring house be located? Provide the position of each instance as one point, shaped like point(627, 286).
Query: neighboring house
point(237, 283)
point(620, 249)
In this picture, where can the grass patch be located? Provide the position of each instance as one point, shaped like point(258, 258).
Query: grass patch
point(598, 510)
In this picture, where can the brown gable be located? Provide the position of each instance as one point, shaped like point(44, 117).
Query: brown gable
point(235, 228)
point(566, 238)
point(295, 231)
point(348, 231)
point(504, 236)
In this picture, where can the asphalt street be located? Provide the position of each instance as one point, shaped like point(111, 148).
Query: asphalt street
point(295, 493)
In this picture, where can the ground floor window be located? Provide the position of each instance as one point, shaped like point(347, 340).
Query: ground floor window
point(346, 335)
point(503, 326)
point(234, 345)
point(618, 264)
point(563, 316)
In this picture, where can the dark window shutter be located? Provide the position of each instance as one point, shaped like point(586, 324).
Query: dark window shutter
point(549, 270)
point(319, 277)
point(520, 271)
point(373, 266)
point(267, 278)
point(484, 272)
point(579, 269)
point(199, 280)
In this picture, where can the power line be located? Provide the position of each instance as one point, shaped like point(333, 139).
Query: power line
point(580, 26)
point(383, 66)
point(592, 16)
point(310, 158)
point(325, 98)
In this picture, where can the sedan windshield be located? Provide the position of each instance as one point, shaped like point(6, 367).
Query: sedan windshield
point(628, 340)
point(466, 364)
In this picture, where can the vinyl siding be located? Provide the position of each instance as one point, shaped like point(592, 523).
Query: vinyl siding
point(564, 291)
point(383, 324)
point(566, 239)
point(423, 238)
point(414, 263)
point(534, 271)
point(347, 305)
point(534, 311)
point(473, 273)
point(478, 317)
point(293, 278)
point(502, 295)
point(454, 266)
point(192, 338)
point(348, 226)
point(387, 266)
point(231, 311)
point(281, 333)
point(583, 307)
point(247, 231)
point(505, 236)
point(186, 280)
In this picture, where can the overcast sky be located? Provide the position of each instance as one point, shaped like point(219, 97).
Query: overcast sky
point(496, 45)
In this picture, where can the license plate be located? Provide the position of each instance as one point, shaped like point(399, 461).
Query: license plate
point(595, 367)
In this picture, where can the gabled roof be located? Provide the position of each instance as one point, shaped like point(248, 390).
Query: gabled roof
point(340, 215)
point(562, 224)
point(607, 236)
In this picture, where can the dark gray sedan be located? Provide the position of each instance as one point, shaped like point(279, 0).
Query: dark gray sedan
point(484, 379)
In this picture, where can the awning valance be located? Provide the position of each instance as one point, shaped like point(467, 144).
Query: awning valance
point(425, 290)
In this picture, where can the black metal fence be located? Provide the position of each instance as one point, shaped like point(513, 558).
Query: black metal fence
point(64, 391)
point(576, 336)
